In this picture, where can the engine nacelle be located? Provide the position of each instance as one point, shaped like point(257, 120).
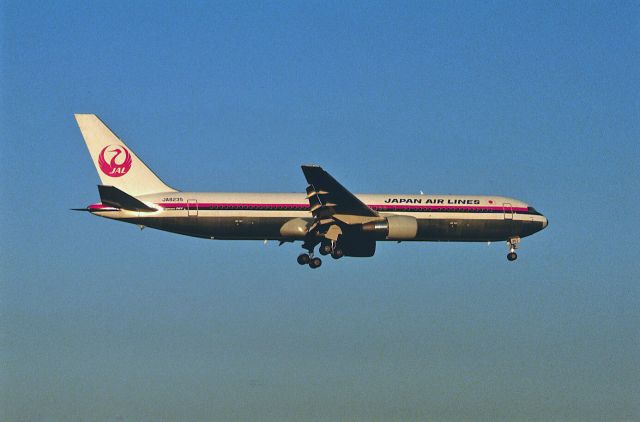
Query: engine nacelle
point(394, 227)
point(358, 246)
point(296, 228)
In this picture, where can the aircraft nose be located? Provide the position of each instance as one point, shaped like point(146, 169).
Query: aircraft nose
point(545, 222)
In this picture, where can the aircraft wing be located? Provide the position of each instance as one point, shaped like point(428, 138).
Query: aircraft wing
point(329, 199)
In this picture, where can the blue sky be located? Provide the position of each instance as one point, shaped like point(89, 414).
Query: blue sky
point(536, 100)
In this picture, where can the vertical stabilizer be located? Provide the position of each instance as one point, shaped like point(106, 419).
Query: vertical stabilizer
point(116, 164)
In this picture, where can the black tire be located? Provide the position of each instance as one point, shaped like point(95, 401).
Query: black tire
point(337, 253)
point(512, 256)
point(315, 262)
point(303, 259)
point(325, 249)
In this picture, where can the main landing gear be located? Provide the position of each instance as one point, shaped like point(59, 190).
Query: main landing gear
point(513, 244)
point(326, 248)
point(306, 259)
point(332, 248)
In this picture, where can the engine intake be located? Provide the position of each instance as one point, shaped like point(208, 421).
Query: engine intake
point(395, 227)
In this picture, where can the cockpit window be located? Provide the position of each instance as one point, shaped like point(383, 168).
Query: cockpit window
point(532, 210)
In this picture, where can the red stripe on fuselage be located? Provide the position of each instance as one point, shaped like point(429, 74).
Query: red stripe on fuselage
point(305, 207)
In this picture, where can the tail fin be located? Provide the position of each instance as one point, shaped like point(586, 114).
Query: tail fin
point(116, 164)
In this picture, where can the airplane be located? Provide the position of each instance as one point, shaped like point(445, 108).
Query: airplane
point(327, 214)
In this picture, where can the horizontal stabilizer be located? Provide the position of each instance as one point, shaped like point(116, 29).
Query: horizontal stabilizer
point(114, 197)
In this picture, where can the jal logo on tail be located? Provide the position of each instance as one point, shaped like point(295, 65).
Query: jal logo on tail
point(114, 160)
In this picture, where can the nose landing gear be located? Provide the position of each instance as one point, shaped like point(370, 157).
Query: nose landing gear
point(513, 244)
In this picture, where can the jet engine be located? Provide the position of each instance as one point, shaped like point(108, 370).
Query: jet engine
point(394, 227)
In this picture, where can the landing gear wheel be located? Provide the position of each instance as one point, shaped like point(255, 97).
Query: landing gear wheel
point(303, 259)
point(337, 253)
point(315, 262)
point(325, 249)
point(513, 243)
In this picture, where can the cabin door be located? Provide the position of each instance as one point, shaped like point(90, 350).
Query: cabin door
point(192, 207)
point(508, 211)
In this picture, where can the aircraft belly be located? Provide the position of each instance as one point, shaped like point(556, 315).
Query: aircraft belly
point(473, 230)
point(260, 228)
point(220, 227)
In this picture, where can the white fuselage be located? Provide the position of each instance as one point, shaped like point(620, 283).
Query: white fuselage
point(328, 214)
point(262, 215)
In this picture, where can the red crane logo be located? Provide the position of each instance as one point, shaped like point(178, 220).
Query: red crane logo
point(118, 164)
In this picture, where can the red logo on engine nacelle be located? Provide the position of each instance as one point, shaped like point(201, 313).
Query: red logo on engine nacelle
point(118, 164)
